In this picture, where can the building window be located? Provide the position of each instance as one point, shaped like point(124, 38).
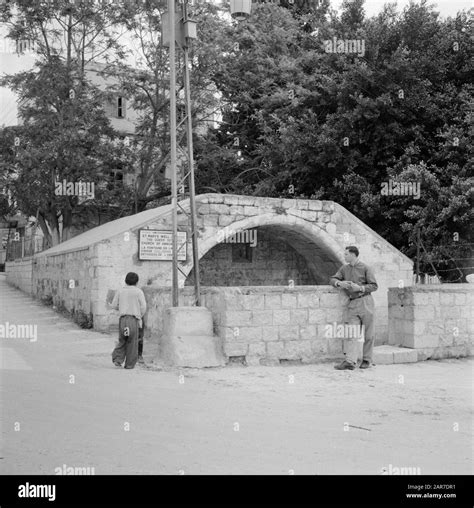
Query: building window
point(241, 253)
point(120, 107)
point(115, 180)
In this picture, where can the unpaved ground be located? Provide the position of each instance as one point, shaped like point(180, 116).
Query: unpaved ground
point(64, 403)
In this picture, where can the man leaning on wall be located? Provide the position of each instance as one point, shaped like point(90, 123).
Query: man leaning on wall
point(357, 280)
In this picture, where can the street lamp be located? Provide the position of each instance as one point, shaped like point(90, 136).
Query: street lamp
point(240, 9)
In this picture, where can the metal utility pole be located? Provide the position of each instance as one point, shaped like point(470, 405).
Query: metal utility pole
point(189, 137)
point(174, 194)
point(181, 32)
point(418, 241)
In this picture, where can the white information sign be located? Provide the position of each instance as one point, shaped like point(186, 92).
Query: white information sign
point(157, 245)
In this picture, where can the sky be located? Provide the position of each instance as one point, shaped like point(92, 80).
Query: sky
point(11, 63)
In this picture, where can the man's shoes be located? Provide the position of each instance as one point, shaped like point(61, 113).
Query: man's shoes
point(140, 359)
point(344, 366)
point(117, 364)
point(364, 365)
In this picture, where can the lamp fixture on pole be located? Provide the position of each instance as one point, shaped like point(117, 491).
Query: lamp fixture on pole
point(240, 9)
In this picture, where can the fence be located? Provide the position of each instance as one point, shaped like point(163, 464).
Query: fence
point(24, 247)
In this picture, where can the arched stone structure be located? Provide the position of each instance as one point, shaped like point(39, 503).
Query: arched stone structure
point(316, 231)
point(321, 253)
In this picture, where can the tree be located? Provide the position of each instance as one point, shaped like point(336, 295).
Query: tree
point(337, 125)
point(65, 135)
point(148, 88)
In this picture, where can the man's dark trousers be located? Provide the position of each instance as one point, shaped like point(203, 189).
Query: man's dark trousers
point(127, 348)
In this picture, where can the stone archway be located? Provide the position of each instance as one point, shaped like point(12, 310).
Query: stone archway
point(287, 249)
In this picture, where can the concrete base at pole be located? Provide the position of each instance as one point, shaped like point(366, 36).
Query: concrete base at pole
point(188, 339)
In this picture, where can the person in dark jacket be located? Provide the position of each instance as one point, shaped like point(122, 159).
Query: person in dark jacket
point(357, 280)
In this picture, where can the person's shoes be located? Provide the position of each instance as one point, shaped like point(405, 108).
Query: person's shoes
point(140, 359)
point(364, 365)
point(117, 364)
point(129, 367)
point(344, 365)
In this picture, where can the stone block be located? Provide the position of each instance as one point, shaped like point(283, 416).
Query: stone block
point(317, 316)
point(246, 200)
point(237, 318)
point(225, 220)
point(297, 349)
point(299, 316)
point(219, 209)
point(307, 300)
point(236, 348)
point(251, 333)
point(269, 333)
point(383, 355)
point(308, 332)
point(405, 355)
point(419, 328)
point(210, 220)
point(315, 205)
point(297, 213)
point(302, 204)
point(328, 206)
point(281, 317)
point(458, 351)
point(288, 301)
point(288, 203)
point(275, 350)
point(272, 301)
point(287, 333)
point(459, 299)
point(446, 299)
point(253, 302)
point(257, 349)
point(226, 333)
point(251, 210)
point(310, 215)
point(329, 300)
point(425, 312)
point(216, 198)
point(261, 318)
point(236, 210)
point(231, 200)
point(183, 344)
point(188, 320)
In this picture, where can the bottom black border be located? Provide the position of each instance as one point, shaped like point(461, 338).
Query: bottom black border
point(237, 490)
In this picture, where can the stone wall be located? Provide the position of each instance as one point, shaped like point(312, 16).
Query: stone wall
point(273, 263)
point(68, 280)
point(304, 241)
point(19, 273)
point(436, 320)
point(262, 324)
